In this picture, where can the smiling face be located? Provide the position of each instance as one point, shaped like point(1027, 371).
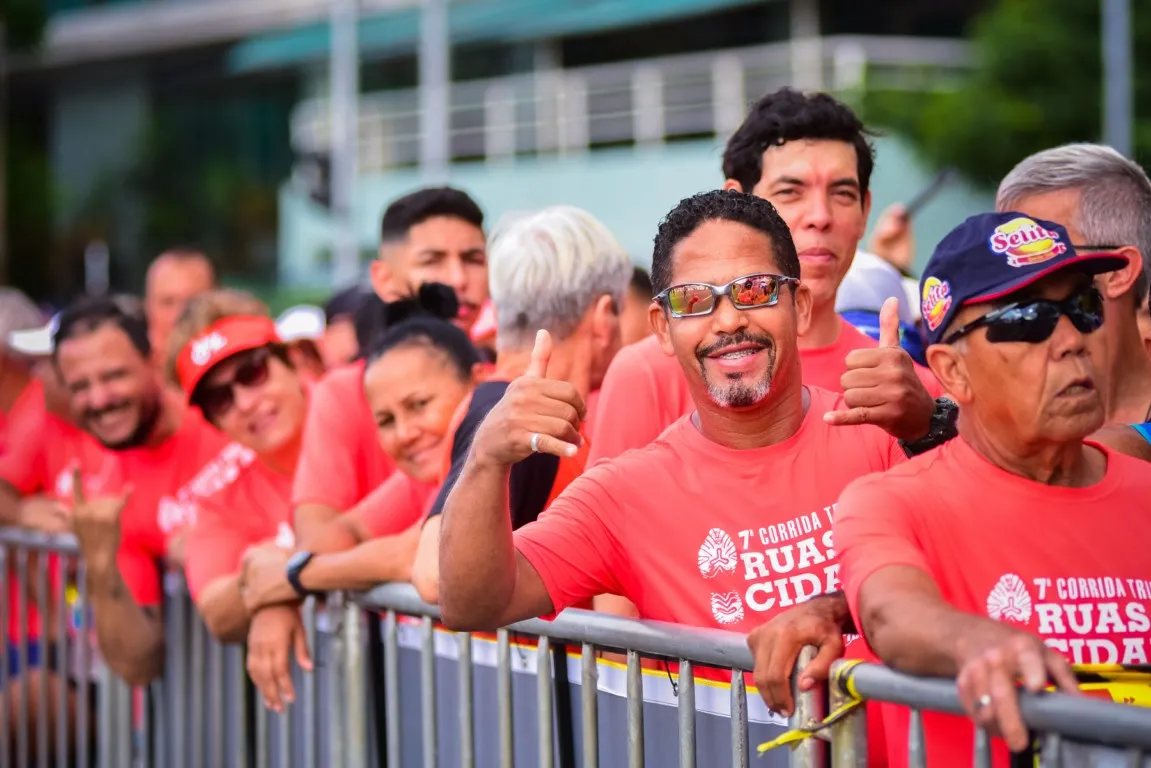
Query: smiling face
point(814, 184)
point(738, 356)
point(414, 391)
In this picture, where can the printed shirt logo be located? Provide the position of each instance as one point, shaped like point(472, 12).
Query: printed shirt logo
point(204, 347)
point(936, 301)
point(1025, 242)
point(727, 608)
point(1009, 600)
point(717, 554)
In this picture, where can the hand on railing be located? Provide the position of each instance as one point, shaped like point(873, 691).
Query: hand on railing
point(275, 632)
point(44, 514)
point(995, 659)
point(264, 577)
point(776, 645)
point(97, 523)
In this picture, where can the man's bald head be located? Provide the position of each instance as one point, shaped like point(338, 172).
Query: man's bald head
point(174, 276)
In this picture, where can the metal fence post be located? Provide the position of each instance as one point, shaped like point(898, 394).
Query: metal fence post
point(356, 697)
point(810, 753)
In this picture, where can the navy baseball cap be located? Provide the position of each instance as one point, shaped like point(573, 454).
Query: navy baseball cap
point(992, 255)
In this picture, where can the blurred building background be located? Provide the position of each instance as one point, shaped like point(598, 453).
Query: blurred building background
point(147, 123)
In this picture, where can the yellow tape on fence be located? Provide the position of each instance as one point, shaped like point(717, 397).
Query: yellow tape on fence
point(797, 735)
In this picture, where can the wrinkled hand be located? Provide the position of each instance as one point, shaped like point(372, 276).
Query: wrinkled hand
point(96, 522)
point(273, 634)
point(776, 645)
point(892, 239)
point(44, 514)
point(532, 404)
point(881, 387)
point(995, 659)
point(264, 577)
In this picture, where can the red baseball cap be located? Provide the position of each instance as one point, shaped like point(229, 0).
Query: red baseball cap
point(219, 341)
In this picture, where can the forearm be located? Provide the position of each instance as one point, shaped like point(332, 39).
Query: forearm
point(222, 608)
point(477, 572)
point(919, 634)
point(371, 563)
point(335, 536)
point(131, 638)
point(309, 523)
point(9, 505)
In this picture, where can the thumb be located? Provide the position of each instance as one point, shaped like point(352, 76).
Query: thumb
point(819, 668)
point(889, 323)
point(541, 355)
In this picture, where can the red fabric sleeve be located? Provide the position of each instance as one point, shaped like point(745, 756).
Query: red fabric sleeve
point(576, 554)
point(627, 413)
point(141, 573)
point(327, 471)
point(212, 549)
point(395, 506)
point(23, 462)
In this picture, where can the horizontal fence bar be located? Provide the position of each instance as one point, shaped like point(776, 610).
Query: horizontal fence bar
point(1075, 716)
point(710, 647)
point(35, 540)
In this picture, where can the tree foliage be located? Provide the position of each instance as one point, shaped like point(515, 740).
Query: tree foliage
point(23, 22)
point(1036, 83)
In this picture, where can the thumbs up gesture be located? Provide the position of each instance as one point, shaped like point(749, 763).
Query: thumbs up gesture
point(96, 523)
point(535, 415)
point(881, 387)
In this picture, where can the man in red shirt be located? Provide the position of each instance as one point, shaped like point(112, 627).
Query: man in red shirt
point(174, 276)
point(995, 559)
point(166, 458)
point(741, 492)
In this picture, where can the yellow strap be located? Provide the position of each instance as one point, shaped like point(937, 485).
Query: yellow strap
point(797, 735)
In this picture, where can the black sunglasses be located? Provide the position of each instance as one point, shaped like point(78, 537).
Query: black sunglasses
point(216, 399)
point(1034, 321)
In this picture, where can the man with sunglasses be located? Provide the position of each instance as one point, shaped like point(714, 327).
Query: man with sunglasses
point(994, 559)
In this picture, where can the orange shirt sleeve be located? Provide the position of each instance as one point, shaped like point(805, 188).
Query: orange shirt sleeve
point(627, 413)
point(874, 529)
point(395, 506)
point(571, 546)
point(327, 471)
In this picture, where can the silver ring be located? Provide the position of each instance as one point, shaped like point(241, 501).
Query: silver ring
point(983, 702)
point(535, 442)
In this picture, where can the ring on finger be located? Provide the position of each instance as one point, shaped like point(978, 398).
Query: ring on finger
point(535, 442)
point(983, 702)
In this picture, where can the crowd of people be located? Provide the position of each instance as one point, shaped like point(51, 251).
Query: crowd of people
point(949, 486)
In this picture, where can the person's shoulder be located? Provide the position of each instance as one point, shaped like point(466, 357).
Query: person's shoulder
point(1124, 440)
point(340, 380)
point(667, 447)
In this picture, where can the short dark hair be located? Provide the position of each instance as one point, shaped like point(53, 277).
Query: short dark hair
point(424, 204)
point(641, 283)
point(721, 205)
point(88, 313)
point(789, 115)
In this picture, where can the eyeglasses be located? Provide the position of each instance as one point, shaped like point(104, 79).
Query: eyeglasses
point(217, 399)
point(748, 292)
point(1034, 321)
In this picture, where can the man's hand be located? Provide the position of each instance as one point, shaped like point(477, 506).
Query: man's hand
point(44, 514)
point(881, 387)
point(264, 577)
point(274, 633)
point(533, 405)
point(97, 523)
point(994, 660)
point(892, 239)
point(775, 646)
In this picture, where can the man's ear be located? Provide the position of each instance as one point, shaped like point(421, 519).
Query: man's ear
point(730, 184)
point(658, 317)
point(605, 322)
point(1119, 283)
point(950, 368)
point(802, 299)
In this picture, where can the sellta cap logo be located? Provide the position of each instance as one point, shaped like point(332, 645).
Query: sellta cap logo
point(936, 301)
point(204, 347)
point(1025, 242)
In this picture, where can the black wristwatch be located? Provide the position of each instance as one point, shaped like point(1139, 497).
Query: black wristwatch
point(943, 428)
point(296, 564)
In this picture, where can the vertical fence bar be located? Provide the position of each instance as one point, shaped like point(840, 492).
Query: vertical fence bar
point(809, 753)
point(262, 723)
point(686, 703)
point(196, 704)
point(356, 694)
point(589, 704)
point(916, 748)
point(739, 747)
point(216, 697)
point(467, 703)
point(848, 736)
point(84, 662)
point(5, 593)
point(43, 702)
point(239, 680)
point(334, 690)
point(124, 701)
point(982, 747)
point(22, 746)
point(635, 749)
point(545, 704)
point(178, 645)
point(504, 697)
point(428, 694)
point(1053, 752)
point(307, 700)
point(392, 689)
point(105, 712)
point(62, 724)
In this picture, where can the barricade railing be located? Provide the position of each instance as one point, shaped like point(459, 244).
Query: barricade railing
point(392, 687)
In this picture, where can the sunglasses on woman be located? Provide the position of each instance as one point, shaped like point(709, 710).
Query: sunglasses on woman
point(1033, 322)
point(217, 398)
point(747, 292)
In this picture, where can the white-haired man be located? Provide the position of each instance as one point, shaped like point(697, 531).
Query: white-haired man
point(559, 269)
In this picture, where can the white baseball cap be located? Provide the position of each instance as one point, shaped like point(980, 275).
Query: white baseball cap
point(35, 342)
point(870, 282)
point(303, 321)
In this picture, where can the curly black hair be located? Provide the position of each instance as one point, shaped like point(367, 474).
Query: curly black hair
point(721, 205)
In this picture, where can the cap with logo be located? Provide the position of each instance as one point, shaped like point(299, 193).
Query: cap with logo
point(224, 338)
point(301, 322)
point(992, 255)
point(35, 342)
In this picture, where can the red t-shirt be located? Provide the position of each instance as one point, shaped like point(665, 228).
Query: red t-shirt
point(168, 482)
point(1068, 564)
point(398, 504)
point(645, 390)
point(742, 534)
point(341, 461)
point(256, 507)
